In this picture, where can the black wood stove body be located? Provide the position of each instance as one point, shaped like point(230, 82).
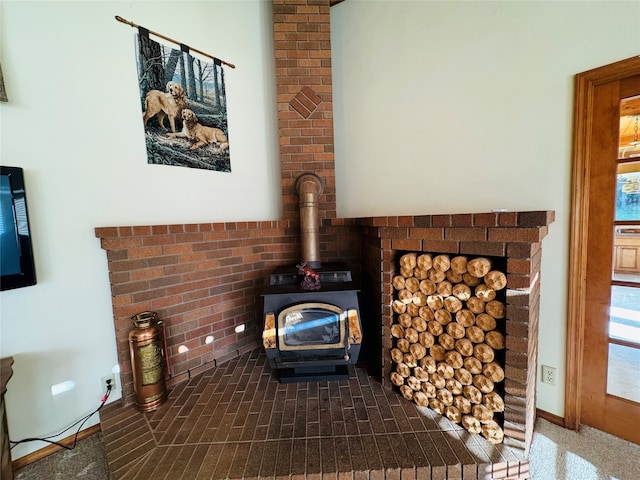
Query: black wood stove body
point(311, 335)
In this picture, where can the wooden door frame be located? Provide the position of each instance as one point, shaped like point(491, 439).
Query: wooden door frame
point(583, 117)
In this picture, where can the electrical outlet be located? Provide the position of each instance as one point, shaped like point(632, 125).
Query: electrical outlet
point(104, 379)
point(548, 375)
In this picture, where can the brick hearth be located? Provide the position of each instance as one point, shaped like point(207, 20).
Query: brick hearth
point(236, 421)
point(204, 280)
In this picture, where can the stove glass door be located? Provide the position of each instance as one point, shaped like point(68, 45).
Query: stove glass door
point(311, 326)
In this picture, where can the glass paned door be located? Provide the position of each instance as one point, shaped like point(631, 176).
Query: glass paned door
point(605, 277)
point(624, 310)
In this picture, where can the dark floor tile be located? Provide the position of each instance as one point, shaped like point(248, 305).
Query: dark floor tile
point(377, 424)
point(313, 409)
point(260, 433)
point(364, 427)
point(300, 424)
point(429, 448)
point(327, 455)
point(209, 463)
point(343, 458)
point(249, 427)
point(286, 431)
point(387, 453)
point(374, 460)
point(274, 425)
point(181, 458)
point(350, 422)
point(391, 426)
point(269, 457)
point(170, 433)
point(234, 434)
point(162, 466)
point(226, 460)
point(132, 471)
point(323, 397)
point(345, 396)
point(193, 467)
point(401, 418)
point(198, 428)
point(313, 429)
point(339, 428)
point(368, 396)
point(252, 468)
point(167, 419)
point(150, 463)
point(357, 454)
point(414, 450)
point(401, 449)
point(298, 456)
point(458, 446)
point(283, 459)
point(313, 455)
point(237, 421)
point(361, 411)
point(444, 449)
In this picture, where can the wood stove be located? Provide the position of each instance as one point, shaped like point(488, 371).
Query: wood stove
point(312, 325)
point(311, 334)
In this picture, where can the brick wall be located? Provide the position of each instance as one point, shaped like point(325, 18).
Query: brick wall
point(517, 237)
point(305, 110)
point(202, 279)
point(205, 280)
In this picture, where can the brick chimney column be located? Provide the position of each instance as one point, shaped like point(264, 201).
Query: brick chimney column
point(305, 109)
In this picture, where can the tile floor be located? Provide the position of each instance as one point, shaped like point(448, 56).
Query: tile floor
point(236, 421)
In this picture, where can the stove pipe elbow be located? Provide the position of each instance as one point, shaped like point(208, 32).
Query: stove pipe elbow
point(309, 188)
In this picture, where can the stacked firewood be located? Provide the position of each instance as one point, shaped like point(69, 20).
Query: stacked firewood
point(446, 334)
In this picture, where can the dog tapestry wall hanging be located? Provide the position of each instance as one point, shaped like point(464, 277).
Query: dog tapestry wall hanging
point(184, 106)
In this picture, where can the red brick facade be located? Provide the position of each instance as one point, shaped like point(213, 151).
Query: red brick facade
point(516, 236)
point(204, 280)
point(305, 108)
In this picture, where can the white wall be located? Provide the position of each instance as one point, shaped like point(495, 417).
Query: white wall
point(74, 123)
point(460, 107)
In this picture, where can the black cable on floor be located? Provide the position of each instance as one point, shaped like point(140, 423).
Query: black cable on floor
point(75, 440)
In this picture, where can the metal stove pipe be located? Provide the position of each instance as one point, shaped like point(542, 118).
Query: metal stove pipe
point(309, 188)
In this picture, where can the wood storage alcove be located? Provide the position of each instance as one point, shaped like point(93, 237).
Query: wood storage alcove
point(448, 349)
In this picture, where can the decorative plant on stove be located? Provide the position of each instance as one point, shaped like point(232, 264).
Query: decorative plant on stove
point(310, 279)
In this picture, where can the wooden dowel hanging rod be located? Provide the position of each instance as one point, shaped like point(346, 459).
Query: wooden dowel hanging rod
point(123, 20)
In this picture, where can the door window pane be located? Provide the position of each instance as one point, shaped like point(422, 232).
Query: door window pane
point(624, 314)
point(628, 191)
point(622, 377)
point(626, 253)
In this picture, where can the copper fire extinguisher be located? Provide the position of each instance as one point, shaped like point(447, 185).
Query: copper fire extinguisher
point(146, 346)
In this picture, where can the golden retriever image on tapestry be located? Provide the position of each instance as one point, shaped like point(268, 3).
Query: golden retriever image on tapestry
point(165, 104)
point(189, 91)
point(199, 133)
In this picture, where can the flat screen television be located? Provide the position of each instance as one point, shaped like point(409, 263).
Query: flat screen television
point(16, 253)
